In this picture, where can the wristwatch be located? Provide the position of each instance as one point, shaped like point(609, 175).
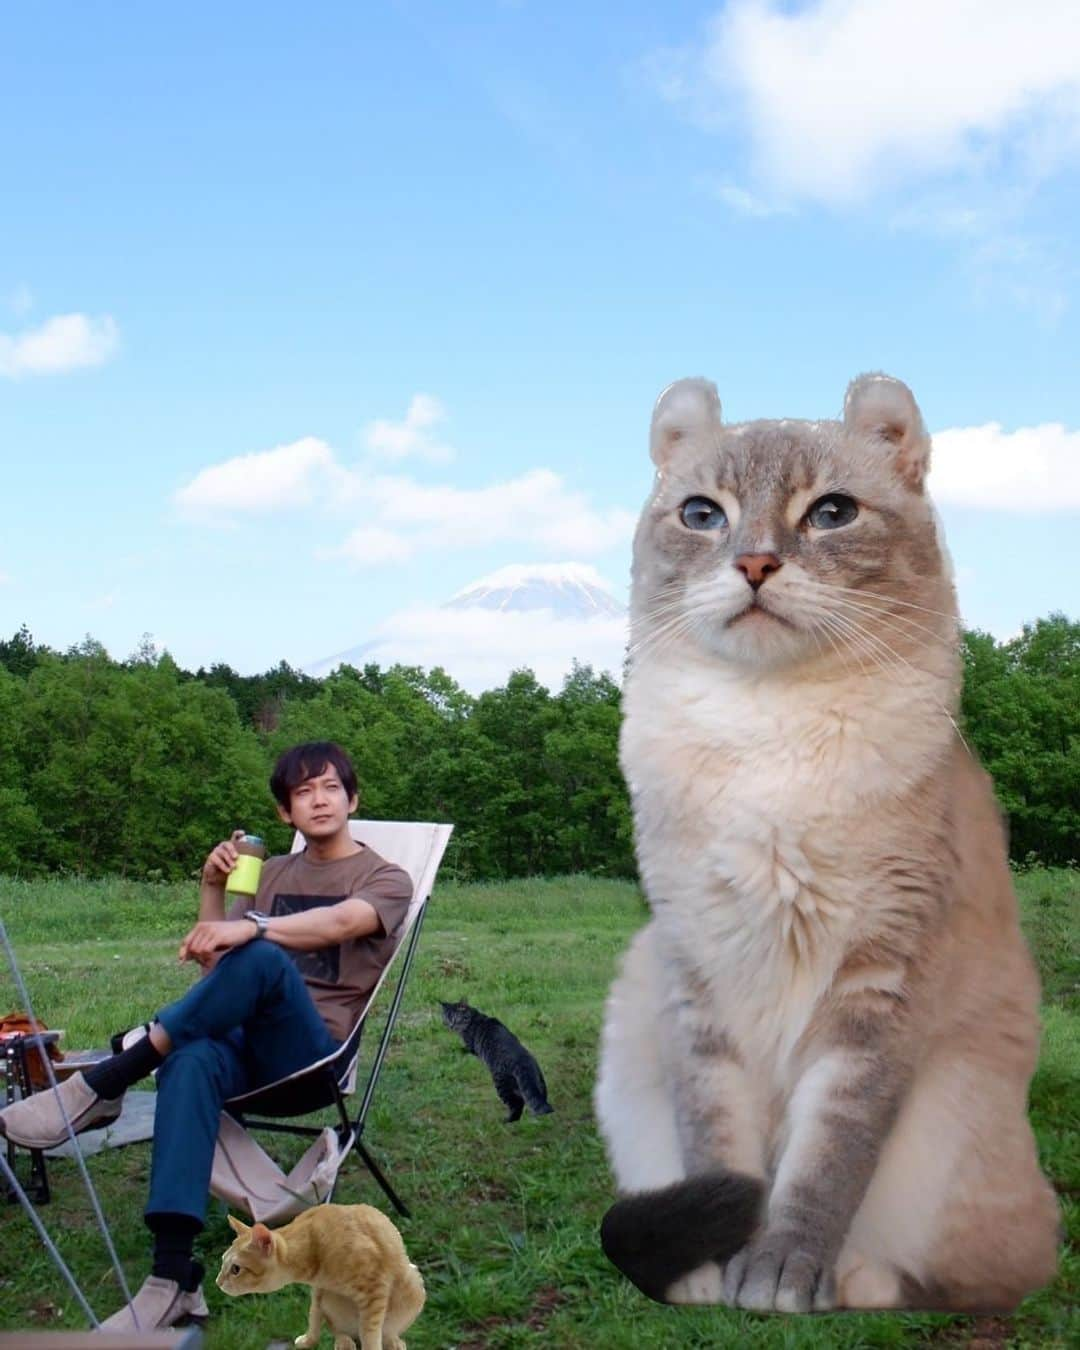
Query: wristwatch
point(261, 921)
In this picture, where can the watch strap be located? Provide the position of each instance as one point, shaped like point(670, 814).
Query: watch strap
point(260, 920)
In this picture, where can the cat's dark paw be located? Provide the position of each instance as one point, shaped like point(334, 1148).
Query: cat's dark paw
point(658, 1237)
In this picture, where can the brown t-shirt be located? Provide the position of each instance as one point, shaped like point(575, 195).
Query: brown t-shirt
point(339, 978)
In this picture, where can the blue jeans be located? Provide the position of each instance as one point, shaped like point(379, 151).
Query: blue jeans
point(247, 1023)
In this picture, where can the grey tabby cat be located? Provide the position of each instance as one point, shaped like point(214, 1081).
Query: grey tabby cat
point(514, 1071)
point(815, 1061)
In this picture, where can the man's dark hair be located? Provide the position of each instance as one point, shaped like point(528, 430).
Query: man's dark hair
point(306, 761)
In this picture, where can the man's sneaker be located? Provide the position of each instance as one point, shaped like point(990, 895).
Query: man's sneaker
point(37, 1121)
point(158, 1304)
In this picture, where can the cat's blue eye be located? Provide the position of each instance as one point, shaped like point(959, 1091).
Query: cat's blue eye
point(832, 511)
point(699, 513)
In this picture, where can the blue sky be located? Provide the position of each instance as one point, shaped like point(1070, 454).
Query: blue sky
point(441, 259)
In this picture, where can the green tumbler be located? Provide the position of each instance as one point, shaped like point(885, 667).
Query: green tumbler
point(244, 878)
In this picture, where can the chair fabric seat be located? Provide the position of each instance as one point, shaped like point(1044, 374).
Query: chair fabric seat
point(309, 1089)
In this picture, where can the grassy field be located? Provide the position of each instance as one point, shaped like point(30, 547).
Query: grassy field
point(505, 1219)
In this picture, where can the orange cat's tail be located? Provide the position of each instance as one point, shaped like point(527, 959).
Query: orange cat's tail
point(406, 1300)
point(656, 1237)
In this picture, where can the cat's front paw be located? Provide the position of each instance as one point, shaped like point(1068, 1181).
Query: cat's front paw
point(344, 1343)
point(704, 1285)
point(778, 1273)
point(306, 1341)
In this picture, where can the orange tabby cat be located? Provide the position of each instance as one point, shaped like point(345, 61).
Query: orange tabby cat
point(363, 1284)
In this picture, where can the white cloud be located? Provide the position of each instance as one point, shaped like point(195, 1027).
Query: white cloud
point(412, 437)
point(535, 509)
point(1030, 469)
point(287, 477)
point(402, 516)
point(64, 342)
point(743, 202)
point(842, 97)
point(479, 648)
point(371, 545)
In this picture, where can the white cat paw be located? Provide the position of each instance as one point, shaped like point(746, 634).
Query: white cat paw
point(305, 1342)
point(704, 1285)
point(344, 1343)
point(777, 1275)
point(870, 1286)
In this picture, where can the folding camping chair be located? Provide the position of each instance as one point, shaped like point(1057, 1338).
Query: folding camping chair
point(244, 1174)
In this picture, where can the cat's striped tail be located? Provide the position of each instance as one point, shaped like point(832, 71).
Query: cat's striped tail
point(656, 1237)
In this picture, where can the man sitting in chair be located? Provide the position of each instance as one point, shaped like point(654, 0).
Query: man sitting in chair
point(281, 989)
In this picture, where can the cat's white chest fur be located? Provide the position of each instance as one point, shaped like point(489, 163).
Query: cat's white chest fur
point(746, 795)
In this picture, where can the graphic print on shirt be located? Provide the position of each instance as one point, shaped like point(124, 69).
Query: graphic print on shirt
point(323, 964)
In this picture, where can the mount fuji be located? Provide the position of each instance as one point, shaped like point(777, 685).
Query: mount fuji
point(566, 590)
point(541, 615)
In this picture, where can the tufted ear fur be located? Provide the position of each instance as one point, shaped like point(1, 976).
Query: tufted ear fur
point(877, 407)
point(683, 408)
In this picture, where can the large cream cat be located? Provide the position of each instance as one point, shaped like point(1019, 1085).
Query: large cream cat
point(815, 1061)
point(363, 1284)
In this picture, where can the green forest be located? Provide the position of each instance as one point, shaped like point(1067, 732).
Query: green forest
point(137, 767)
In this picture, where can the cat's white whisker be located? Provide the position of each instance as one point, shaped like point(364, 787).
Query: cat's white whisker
point(829, 628)
point(890, 620)
point(668, 630)
point(873, 644)
point(881, 643)
point(890, 600)
point(665, 634)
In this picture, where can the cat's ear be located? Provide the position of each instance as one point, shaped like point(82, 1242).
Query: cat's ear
point(877, 407)
point(262, 1238)
point(685, 407)
point(237, 1226)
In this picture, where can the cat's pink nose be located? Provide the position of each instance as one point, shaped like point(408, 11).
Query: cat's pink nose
point(757, 566)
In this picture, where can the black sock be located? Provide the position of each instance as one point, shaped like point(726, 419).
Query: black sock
point(174, 1242)
point(113, 1077)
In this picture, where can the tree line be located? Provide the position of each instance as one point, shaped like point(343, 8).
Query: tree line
point(138, 767)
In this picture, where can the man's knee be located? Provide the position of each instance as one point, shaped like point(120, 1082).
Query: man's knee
point(202, 1060)
point(256, 955)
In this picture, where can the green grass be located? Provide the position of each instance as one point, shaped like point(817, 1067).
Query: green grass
point(505, 1219)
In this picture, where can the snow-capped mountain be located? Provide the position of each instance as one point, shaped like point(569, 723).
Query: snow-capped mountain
point(568, 590)
point(355, 656)
point(541, 615)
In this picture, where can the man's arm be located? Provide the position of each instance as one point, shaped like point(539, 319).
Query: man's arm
point(306, 931)
point(324, 926)
point(215, 874)
point(211, 901)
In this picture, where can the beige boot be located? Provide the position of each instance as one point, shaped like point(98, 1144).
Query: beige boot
point(37, 1121)
point(158, 1304)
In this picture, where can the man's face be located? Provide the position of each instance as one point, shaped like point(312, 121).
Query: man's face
point(319, 807)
